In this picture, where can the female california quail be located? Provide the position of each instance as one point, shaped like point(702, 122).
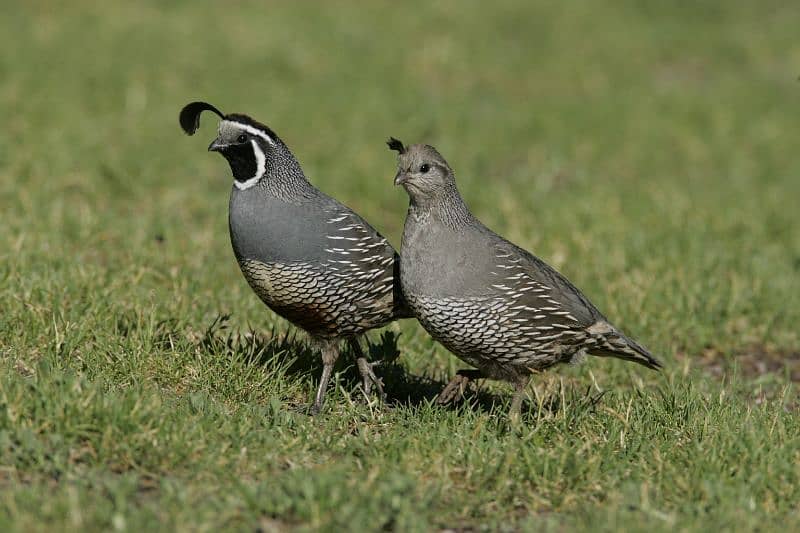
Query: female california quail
point(309, 258)
point(491, 303)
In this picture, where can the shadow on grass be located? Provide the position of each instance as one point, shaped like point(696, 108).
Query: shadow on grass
point(297, 356)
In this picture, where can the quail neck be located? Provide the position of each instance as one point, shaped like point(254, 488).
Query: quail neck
point(259, 159)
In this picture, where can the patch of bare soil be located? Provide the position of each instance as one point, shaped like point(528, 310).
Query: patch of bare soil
point(769, 368)
point(752, 362)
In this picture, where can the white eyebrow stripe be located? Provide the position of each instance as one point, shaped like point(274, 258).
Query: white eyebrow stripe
point(249, 129)
point(261, 167)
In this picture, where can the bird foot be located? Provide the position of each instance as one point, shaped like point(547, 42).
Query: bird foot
point(314, 409)
point(369, 378)
point(454, 390)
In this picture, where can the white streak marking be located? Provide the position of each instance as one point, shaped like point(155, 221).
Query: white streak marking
point(249, 129)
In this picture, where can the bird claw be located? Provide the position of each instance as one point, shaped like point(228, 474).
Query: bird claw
point(369, 378)
point(314, 409)
point(454, 390)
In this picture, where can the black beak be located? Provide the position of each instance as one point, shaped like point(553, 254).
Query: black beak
point(216, 146)
point(400, 178)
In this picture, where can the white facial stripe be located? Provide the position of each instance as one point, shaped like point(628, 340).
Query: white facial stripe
point(249, 129)
point(261, 168)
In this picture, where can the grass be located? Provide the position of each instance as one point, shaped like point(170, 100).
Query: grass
point(646, 150)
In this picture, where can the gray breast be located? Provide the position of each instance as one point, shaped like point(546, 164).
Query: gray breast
point(270, 229)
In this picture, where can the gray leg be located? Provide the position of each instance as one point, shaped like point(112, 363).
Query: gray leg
point(330, 353)
point(368, 376)
point(516, 401)
point(455, 388)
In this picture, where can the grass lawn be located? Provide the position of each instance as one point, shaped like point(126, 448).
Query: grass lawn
point(647, 150)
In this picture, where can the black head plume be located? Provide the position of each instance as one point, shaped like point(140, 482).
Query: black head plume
point(397, 145)
point(190, 115)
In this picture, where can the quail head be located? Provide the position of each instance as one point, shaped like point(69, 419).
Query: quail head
point(493, 304)
point(309, 258)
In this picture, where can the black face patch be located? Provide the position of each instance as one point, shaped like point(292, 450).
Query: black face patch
point(242, 160)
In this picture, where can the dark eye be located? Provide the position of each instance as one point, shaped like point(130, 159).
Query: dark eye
point(424, 168)
point(241, 138)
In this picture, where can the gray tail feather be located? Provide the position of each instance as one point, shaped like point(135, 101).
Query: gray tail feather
point(615, 344)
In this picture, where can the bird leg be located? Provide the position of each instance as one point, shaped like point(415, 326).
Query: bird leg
point(516, 401)
point(455, 388)
point(330, 353)
point(368, 376)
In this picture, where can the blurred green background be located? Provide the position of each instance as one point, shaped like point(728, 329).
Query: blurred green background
point(648, 150)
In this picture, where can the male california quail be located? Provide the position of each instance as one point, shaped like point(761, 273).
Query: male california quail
point(309, 258)
point(491, 303)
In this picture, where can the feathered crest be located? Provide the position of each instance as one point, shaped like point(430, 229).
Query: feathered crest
point(190, 115)
point(397, 145)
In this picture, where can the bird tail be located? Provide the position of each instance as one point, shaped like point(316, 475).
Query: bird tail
point(612, 343)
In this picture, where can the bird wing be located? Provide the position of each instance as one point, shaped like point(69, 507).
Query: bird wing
point(557, 311)
point(364, 260)
point(541, 288)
